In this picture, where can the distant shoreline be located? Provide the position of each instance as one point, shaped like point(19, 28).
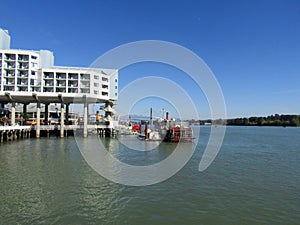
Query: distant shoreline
point(272, 121)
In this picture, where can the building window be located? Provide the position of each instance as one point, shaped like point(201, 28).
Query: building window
point(33, 57)
point(32, 72)
point(116, 94)
point(96, 92)
point(96, 77)
point(116, 80)
point(96, 84)
point(116, 87)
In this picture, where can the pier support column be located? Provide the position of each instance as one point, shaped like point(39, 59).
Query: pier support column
point(67, 113)
point(13, 114)
point(38, 119)
point(25, 114)
point(85, 120)
point(14, 135)
point(46, 114)
point(62, 120)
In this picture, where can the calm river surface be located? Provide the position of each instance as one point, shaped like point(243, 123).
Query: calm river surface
point(255, 179)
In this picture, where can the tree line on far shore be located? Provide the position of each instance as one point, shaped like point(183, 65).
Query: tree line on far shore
point(272, 120)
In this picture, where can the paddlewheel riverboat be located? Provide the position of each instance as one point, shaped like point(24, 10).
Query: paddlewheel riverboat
point(163, 130)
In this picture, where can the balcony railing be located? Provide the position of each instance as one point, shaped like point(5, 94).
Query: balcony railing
point(49, 83)
point(23, 84)
point(85, 91)
point(8, 88)
point(23, 67)
point(22, 89)
point(22, 75)
point(73, 77)
point(48, 78)
point(10, 75)
point(10, 59)
point(72, 90)
point(84, 86)
point(48, 75)
point(60, 76)
point(48, 89)
point(10, 84)
point(63, 90)
point(23, 58)
point(73, 85)
point(84, 76)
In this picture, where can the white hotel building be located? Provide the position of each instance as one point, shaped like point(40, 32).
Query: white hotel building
point(34, 71)
point(28, 76)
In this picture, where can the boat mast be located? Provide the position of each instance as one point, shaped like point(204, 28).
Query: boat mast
point(151, 117)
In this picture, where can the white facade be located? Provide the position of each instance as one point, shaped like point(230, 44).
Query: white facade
point(4, 39)
point(24, 71)
point(100, 83)
point(19, 70)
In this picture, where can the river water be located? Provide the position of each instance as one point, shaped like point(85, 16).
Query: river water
point(255, 179)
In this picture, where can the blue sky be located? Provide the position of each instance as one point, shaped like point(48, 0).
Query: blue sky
point(252, 47)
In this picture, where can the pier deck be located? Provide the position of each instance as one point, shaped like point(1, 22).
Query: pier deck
point(10, 133)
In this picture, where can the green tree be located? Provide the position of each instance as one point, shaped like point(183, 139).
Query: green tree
point(246, 121)
point(261, 121)
point(295, 121)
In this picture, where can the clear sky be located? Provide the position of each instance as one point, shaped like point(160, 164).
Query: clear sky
point(253, 47)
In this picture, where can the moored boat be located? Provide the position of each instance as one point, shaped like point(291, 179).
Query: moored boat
point(164, 130)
